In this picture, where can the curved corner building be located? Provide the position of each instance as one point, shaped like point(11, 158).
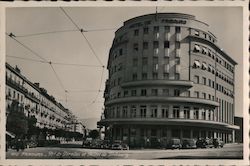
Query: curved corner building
point(168, 79)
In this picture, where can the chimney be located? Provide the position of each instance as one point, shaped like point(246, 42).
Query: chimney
point(37, 84)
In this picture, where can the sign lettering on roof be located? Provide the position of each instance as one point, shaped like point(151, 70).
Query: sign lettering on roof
point(173, 21)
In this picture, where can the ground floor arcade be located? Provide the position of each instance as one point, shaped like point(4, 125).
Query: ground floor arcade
point(152, 135)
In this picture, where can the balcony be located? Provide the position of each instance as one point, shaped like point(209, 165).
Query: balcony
point(32, 97)
point(15, 85)
point(150, 99)
point(167, 121)
point(185, 83)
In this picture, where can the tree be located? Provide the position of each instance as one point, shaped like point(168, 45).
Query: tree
point(16, 121)
point(32, 129)
point(94, 134)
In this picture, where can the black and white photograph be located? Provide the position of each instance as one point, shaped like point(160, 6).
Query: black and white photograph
point(162, 83)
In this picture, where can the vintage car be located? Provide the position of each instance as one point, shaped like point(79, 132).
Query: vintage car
point(174, 143)
point(189, 144)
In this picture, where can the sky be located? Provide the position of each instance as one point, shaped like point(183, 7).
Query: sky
point(81, 82)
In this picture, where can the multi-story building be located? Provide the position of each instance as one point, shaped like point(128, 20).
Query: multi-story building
point(168, 79)
point(34, 101)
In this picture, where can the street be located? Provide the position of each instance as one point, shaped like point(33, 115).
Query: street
point(74, 151)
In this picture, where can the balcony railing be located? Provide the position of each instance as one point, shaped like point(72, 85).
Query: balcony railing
point(166, 121)
point(15, 85)
point(179, 99)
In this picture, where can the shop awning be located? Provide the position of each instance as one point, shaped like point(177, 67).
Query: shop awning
point(197, 64)
point(197, 48)
point(10, 134)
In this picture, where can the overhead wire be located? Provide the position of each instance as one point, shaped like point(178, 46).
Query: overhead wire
point(45, 33)
point(82, 33)
point(26, 59)
point(12, 36)
point(54, 63)
point(99, 90)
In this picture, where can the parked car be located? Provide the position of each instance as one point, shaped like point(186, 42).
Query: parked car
point(174, 143)
point(31, 144)
point(204, 143)
point(87, 142)
point(120, 146)
point(96, 143)
point(201, 143)
point(218, 143)
point(189, 144)
point(105, 144)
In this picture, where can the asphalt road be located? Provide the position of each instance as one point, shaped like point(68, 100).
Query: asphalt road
point(74, 151)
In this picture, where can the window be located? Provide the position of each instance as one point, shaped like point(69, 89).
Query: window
point(204, 81)
point(203, 114)
point(164, 111)
point(176, 92)
point(144, 76)
point(136, 47)
point(176, 76)
point(196, 94)
point(133, 111)
point(204, 66)
point(196, 113)
point(177, 45)
point(136, 32)
point(204, 95)
point(156, 29)
point(197, 48)
point(153, 110)
point(133, 92)
point(167, 29)
point(145, 45)
point(196, 33)
point(125, 93)
point(186, 93)
point(205, 35)
point(145, 30)
point(165, 92)
point(143, 92)
point(209, 82)
point(196, 79)
point(166, 44)
point(204, 50)
point(154, 92)
point(186, 112)
point(166, 76)
point(134, 77)
point(119, 81)
point(118, 112)
point(177, 60)
point(177, 29)
point(135, 62)
point(121, 51)
point(209, 96)
point(156, 44)
point(176, 111)
point(144, 61)
point(155, 76)
point(143, 110)
point(124, 111)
